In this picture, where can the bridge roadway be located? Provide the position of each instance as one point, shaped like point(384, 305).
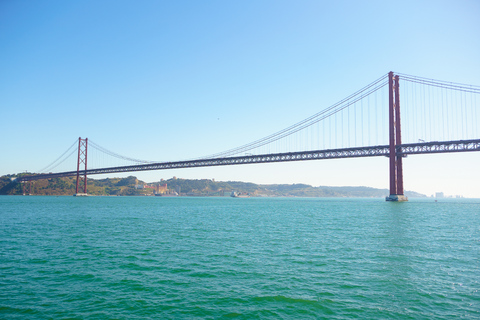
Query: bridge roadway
point(404, 149)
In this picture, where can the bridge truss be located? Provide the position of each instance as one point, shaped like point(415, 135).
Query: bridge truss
point(374, 151)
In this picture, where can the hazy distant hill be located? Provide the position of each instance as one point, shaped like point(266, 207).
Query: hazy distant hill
point(302, 190)
point(203, 187)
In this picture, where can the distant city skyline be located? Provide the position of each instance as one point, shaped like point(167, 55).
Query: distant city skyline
point(171, 81)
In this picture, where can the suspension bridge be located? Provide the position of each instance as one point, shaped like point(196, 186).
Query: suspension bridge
point(437, 117)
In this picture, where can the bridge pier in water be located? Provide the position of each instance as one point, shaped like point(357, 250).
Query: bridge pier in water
point(395, 138)
point(27, 188)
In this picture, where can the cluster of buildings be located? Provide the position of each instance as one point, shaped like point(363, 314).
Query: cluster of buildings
point(158, 189)
point(440, 195)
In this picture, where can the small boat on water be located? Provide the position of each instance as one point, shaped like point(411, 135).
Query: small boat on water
point(239, 195)
point(171, 194)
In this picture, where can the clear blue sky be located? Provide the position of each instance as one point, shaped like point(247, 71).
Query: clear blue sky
point(169, 80)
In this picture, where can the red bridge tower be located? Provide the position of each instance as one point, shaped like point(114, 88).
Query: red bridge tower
point(396, 168)
point(82, 159)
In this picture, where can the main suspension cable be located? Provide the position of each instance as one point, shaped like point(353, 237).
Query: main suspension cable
point(441, 84)
point(357, 96)
point(52, 165)
point(116, 155)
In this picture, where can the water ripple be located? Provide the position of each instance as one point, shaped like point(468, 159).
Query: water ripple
point(209, 258)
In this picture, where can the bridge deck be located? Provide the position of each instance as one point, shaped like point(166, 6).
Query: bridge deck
point(404, 149)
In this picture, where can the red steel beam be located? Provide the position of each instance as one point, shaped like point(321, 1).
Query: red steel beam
point(398, 138)
point(391, 114)
point(78, 164)
point(82, 158)
point(85, 177)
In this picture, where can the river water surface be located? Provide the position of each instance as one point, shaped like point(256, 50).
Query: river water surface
point(231, 258)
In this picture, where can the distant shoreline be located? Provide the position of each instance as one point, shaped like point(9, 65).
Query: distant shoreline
point(131, 186)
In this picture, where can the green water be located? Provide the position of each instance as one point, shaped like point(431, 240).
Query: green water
point(230, 258)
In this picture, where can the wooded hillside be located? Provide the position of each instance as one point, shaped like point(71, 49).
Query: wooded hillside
point(203, 187)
